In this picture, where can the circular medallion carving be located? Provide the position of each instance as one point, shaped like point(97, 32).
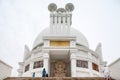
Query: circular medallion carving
point(69, 7)
point(52, 7)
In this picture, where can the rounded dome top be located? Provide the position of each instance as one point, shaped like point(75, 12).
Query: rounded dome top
point(80, 38)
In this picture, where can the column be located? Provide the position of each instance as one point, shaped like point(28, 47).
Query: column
point(55, 23)
point(63, 24)
point(51, 22)
point(68, 22)
point(101, 68)
point(31, 67)
point(59, 24)
point(46, 62)
point(90, 68)
point(20, 70)
point(90, 65)
point(73, 64)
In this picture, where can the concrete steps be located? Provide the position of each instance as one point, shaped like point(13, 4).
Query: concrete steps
point(55, 78)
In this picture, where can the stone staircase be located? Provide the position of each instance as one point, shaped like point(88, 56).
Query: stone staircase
point(55, 78)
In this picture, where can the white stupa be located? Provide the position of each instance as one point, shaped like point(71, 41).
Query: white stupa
point(61, 50)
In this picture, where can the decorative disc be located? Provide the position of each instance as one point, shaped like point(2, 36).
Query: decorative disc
point(52, 7)
point(69, 7)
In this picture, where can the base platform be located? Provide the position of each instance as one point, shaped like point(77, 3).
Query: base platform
point(55, 78)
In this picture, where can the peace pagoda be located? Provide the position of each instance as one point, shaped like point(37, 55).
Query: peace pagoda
point(62, 50)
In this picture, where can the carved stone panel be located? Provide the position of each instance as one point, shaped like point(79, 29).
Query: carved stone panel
point(60, 69)
point(38, 64)
point(81, 63)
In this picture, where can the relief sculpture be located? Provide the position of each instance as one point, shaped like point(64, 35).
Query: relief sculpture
point(60, 69)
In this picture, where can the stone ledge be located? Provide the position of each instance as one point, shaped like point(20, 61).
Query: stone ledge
point(55, 78)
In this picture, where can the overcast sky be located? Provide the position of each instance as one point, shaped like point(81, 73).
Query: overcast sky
point(22, 20)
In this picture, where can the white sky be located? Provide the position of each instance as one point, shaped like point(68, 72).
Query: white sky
point(22, 20)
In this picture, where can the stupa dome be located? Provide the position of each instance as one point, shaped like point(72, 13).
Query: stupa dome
point(80, 38)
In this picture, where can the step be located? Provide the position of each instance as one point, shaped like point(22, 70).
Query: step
point(55, 78)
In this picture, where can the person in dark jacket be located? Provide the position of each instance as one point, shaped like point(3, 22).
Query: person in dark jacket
point(44, 73)
point(33, 75)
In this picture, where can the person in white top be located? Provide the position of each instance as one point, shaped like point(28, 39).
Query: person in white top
point(106, 73)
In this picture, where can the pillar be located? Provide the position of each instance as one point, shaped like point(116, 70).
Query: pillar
point(31, 67)
point(55, 23)
point(90, 68)
point(73, 64)
point(20, 70)
point(68, 22)
point(59, 24)
point(51, 22)
point(90, 65)
point(64, 23)
point(46, 62)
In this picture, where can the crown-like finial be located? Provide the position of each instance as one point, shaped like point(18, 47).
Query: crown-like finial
point(60, 18)
point(52, 7)
point(61, 10)
point(69, 7)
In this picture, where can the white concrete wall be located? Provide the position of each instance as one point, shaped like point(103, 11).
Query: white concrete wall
point(38, 73)
point(115, 70)
point(5, 70)
point(82, 72)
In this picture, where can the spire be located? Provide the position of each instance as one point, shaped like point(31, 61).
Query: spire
point(98, 50)
point(26, 52)
point(60, 19)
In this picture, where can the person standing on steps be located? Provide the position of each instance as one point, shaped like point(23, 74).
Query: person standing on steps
point(44, 73)
point(106, 73)
point(33, 75)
